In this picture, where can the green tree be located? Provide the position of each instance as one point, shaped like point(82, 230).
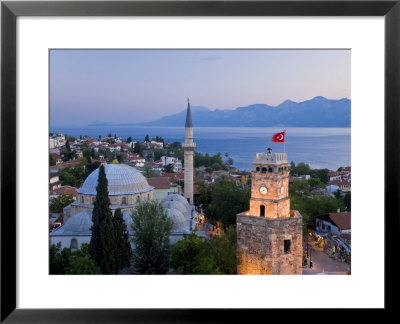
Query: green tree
point(169, 168)
point(219, 254)
point(57, 204)
point(185, 253)
point(81, 262)
point(299, 187)
point(52, 159)
point(322, 174)
point(122, 251)
point(224, 200)
point(137, 148)
point(347, 201)
point(151, 230)
point(300, 169)
point(147, 139)
point(58, 259)
point(316, 182)
point(102, 239)
point(68, 179)
point(129, 139)
point(230, 161)
point(148, 171)
point(338, 194)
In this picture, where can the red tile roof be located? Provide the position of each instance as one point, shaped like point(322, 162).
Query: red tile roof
point(159, 182)
point(66, 190)
point(341, 220)
point(174, 177)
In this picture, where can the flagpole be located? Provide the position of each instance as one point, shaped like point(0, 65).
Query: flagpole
point(284, 141)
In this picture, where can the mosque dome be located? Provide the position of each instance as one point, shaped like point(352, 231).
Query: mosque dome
point(122, 180)
point(78, 224)
point(175, 205)
point(178, 219)
point(176, 197)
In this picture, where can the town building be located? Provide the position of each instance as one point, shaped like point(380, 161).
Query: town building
point(269, 235)
point(162, 187)
point(333, 232)
point(188, 147)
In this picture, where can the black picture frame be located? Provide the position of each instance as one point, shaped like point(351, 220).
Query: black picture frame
point(10, 10)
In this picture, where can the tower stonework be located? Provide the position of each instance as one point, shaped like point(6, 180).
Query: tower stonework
point(188, 147)
point(269, 235)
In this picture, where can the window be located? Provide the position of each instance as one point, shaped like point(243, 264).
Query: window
point(74, 244)
point(258, 169)
point(264, 170)
point(93, 200)
point(262, 211)
point(269, 169)
point(329, 228)
point(123, 200)
point(286, 246)
point(82, 200)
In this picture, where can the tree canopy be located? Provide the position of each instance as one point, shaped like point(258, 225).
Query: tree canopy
point(151, 230)
point(223, 200)
point(195, 255)
point(57, 204)
point(66, 261)
point(122, 248)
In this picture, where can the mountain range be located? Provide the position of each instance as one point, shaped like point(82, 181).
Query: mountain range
point(316, 112)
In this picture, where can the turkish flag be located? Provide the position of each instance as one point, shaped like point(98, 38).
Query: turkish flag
point(278, 137)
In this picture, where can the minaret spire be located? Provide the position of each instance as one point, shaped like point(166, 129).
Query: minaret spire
point(188, 116)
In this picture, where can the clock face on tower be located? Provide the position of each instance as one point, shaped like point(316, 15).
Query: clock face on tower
point(263, 190)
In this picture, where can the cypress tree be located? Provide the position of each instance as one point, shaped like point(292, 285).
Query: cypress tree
point(122, 247)
point(102, 240)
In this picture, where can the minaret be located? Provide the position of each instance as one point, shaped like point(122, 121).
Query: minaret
point(188, 147)
point(270, 234)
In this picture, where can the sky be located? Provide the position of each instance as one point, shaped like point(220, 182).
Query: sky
point(128, 86)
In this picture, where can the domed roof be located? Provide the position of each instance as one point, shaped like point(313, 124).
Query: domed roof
point(175, 205)
point(78, 224)
point(176, 197)
point(122, 180)
point(179, 220)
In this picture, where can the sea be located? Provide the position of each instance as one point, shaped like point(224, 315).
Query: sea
point(319, 147)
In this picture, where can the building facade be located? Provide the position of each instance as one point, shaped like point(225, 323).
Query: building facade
point(188, 147)
point(269, 234)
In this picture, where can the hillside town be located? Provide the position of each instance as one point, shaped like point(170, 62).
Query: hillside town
point(326, 246)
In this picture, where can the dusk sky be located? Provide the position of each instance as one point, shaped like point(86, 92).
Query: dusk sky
point(131, 86)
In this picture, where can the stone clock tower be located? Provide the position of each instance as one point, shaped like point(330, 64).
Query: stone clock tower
point(270, 234)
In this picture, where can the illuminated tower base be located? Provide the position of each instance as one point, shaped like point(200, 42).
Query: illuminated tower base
point(269, 235)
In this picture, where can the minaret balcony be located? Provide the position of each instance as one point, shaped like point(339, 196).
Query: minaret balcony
point(188, 145)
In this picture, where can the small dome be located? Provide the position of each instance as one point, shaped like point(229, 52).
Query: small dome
point(122, 180)
point(78, 224)
point(179, 220)
point(115, 161)
point(176, 197)
point(175, 205)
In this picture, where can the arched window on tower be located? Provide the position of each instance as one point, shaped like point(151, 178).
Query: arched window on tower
point(262, 211)
point(263, 170)
point(74, 244)
point(123, 200)
point(258, 169)
point(270, 169)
